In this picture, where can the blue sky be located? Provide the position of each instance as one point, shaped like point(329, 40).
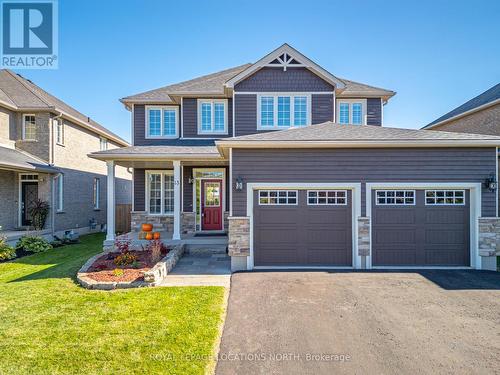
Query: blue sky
point(435, 54)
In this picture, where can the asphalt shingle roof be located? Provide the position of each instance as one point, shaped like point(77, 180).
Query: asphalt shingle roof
point(161, 150)
point(19, 160)
point(486, 97)
point(23, 94)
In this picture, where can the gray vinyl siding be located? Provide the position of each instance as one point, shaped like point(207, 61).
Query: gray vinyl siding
point(277, 79)
point(140, 129)
point(364, 165)
point(373, 111)
point(187, 190)
point(321, 108)
point(190, 119)
point(139, 189)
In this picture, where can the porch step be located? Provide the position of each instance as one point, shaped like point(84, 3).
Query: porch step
point(206, 248)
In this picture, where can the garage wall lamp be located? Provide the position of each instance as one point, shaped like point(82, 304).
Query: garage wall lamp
point(239, 184)
point(491, 184)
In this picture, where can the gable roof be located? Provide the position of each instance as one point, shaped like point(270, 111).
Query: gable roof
point(330, 135)
point(18, 93)
point(487, 98)
point(216, 83)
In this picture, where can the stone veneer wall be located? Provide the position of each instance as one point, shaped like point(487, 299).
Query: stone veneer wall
point(188, 224)
point(239, 236)
point(363, 236)
point(489, 236)
point(167, 222)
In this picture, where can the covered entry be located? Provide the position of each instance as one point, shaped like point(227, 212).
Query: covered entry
point(299, 227)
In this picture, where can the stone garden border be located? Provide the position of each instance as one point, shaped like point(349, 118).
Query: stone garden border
point(152, 277)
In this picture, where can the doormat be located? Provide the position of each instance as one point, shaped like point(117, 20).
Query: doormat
point(210, 234)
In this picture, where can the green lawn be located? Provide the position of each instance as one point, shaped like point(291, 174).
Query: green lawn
point(50, 325)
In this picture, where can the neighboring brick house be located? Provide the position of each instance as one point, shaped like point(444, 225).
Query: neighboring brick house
point(295, 165)
point(43, 154)
point(480, 115)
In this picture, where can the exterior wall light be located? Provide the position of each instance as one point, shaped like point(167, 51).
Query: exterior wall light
point(239, 184)
point(491, 184)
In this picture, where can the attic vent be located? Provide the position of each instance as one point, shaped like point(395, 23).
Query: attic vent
point(285, 60)
point(88, 119)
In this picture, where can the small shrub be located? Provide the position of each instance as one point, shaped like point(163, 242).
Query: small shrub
point(118, 272)
point(125, 259)
point(33, 244)
point(6, 252)
point(136, 264)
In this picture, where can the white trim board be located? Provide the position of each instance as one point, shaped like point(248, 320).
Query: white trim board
point(355, 187)
point(475, 210)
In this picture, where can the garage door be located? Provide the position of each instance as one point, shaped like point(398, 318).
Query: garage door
point(420, 227)
point(302, 228)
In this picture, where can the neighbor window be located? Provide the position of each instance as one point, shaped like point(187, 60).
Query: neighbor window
point(283, 111)
point(59, 192)
point(161, 122)
point(103, 144)
point(212, 116)
point(59, 125)
point(395, 197)
point(96, 193)
point(326, 197)
point(277, 197)
point(160, 185)
point(445, 197)
point(29, 127)
point(351, 111)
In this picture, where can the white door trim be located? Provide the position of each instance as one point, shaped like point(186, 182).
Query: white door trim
point(475, 210)
point(197, 207)
point(355, 187)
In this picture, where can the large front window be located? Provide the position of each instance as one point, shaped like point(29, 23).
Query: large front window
point(212, 116)
point(162, 122)
point(160, 193)
point(283, 111)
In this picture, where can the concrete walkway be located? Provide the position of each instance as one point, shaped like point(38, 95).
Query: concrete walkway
point(200, 270)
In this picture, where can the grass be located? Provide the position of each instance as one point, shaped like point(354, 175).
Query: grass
point(50, 325)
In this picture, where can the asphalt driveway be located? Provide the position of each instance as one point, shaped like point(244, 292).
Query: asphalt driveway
point(362, 322)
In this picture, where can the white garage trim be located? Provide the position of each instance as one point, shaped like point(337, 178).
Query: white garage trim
point(475, 213)
point(356, 212)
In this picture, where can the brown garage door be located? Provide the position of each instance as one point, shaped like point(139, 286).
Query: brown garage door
point(420, 228)
point(290, 232)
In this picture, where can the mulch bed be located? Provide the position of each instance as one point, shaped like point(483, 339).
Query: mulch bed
point(103, 268)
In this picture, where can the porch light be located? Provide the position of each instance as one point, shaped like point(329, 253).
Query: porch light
point(491, 184)
point(239, 184)
point(191, 180)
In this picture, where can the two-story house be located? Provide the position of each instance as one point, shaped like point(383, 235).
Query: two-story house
point(293, 162)
point(43, 155)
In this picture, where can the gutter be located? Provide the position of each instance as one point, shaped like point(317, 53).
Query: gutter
point(154, 157)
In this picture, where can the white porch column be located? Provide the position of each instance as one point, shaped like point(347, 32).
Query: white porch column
point(110, 235)
point(177, 200)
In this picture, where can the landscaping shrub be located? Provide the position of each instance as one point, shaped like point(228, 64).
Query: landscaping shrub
point(6, 252)
point(33, 244)
point(125, 259)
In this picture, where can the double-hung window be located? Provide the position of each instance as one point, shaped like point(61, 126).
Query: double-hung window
point(162, 122)
point(59, 192)
point(29, 128)
point(283, 110)
point(59, 125)
point(103, 144)
point(96, 193)
point(212, 116)
point(351, 111)
point(160, 192)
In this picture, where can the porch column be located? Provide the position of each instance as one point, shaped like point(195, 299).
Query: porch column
point(110, 235)
point(177, 200)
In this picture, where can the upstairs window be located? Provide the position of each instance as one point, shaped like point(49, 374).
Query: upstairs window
point(283, 111)
point(59, 125)
point(103, 144)
point(351, 111)
point(162, 122)
point(212, 116)
point(29, 128)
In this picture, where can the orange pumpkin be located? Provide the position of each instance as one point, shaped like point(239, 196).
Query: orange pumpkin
point(156, 235)
point(149, 236)
point(147, 227)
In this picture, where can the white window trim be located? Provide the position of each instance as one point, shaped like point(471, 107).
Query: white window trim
point(277, 203)
point(345, 197)
point(60, 193)
point(351, 102)
point(396, 204)
point(275, 95)
point(212, 122)
point(103, 141)
point(96, 193)
point(445, 191)
point(168, 172)
point(161, 108)
point(24, 126)
point(59, 123)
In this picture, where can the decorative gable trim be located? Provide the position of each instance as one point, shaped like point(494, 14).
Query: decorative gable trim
point(286, 57)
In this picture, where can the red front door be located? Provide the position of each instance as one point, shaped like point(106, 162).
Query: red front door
point(211, 205)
